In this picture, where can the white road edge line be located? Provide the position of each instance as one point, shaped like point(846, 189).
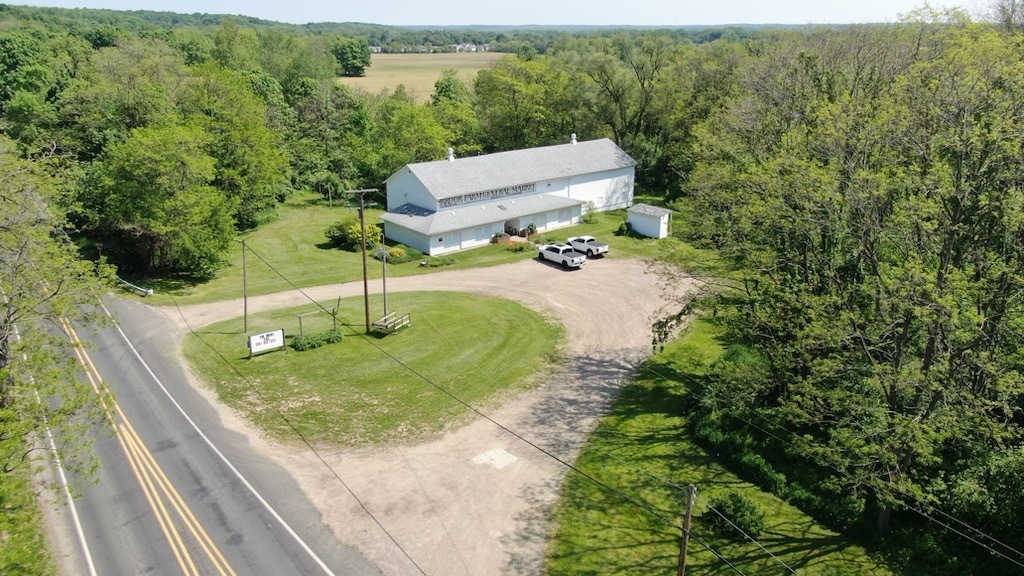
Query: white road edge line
point(80, 532)
point(220, 454)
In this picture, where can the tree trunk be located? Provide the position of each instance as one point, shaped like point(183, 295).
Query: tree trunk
point(882, 522)
point(6, 380)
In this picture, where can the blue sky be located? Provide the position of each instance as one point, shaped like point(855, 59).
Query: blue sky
point(588, 12)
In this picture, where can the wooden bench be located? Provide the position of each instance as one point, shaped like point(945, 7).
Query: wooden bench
point(391, 322)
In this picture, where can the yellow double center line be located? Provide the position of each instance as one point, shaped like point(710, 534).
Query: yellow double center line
point(159, 492)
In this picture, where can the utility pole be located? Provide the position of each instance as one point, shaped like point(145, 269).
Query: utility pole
point(686, 530)
point(245, 294)
point(382, 253)
point(362, 227)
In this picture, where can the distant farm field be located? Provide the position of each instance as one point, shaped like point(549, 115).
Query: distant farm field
point(418, 72)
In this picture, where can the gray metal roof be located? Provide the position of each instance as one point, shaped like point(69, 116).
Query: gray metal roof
point(648, 210)
point(444, 221)
point(446, 179)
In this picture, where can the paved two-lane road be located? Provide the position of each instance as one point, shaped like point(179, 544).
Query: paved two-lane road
point(192, 497)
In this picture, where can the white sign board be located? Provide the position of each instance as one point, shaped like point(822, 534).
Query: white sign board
point(266, 341)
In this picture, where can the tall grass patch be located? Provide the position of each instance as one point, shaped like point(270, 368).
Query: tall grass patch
point(23, 546)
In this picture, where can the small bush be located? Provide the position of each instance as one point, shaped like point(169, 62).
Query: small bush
point(348, 234)
point(316, 340)
point(588, 213)
point(517, 247)
point(625, 229)
point(401, 254)
point(743, 512)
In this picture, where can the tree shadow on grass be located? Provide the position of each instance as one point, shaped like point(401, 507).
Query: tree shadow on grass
point(633, 548)
point(804, 547)
point(174, 285)
point(566, 420)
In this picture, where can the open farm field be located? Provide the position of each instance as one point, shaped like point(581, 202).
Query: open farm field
point(418, 72)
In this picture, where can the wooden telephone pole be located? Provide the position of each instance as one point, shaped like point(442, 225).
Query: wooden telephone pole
point(362, 226)
point(686, 530)
point(245, 293)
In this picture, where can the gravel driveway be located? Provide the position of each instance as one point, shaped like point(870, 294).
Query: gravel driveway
point(475, 500)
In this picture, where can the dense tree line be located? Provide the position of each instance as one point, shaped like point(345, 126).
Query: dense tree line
point(173, 137)
point(867, 183)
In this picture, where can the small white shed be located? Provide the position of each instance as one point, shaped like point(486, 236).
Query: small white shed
point(650, 221)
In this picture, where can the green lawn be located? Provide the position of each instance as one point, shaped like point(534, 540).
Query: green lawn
point(294, 247)
point(370, 390)
point(641, 448)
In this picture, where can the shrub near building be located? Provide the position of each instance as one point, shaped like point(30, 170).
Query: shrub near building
point(347, 234)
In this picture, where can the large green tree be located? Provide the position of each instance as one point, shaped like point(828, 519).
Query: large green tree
point(452, 105)
point(352, 54)
point(251, 164)
point(43, 283)
point(523, 103)
point(134, 84)
point(151, 198)
point(868, 184)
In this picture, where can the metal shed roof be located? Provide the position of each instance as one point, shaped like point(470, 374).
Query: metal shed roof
point(450, 178)
point(648, 210)
point(444, 221)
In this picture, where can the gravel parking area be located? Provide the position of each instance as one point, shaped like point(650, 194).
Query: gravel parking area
point(475, 501)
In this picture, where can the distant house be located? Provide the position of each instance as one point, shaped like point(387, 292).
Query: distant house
point(469, 47)
point(455, 204)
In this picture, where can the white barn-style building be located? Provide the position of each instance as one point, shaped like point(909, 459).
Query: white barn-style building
point(455, 204)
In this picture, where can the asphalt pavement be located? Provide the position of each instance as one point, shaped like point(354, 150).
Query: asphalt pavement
point(179, 493)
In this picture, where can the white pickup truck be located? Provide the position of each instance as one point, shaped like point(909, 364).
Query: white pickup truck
point(587, 245)
point(563, 254)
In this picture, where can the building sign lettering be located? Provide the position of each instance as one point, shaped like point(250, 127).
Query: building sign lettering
point(266, 342)
point(487, 195)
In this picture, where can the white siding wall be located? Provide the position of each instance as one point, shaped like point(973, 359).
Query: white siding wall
point(650, 226)
point(404, 188)
point(407, 237)
point(609, 190)
point(547, 221)
point(479, 236)
point(558, 187)
point(445, 243)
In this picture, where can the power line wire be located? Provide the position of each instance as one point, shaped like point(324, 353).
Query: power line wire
point(473, 409)
point(904, 495)
point(751, 538)
point(682, 488)
point(636, 502)
point(302, 437)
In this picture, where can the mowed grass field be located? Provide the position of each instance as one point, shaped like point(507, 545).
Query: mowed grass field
point(367, 390)
point(418, 72)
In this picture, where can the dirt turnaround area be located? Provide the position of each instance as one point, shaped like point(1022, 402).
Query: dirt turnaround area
point(475, 501)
